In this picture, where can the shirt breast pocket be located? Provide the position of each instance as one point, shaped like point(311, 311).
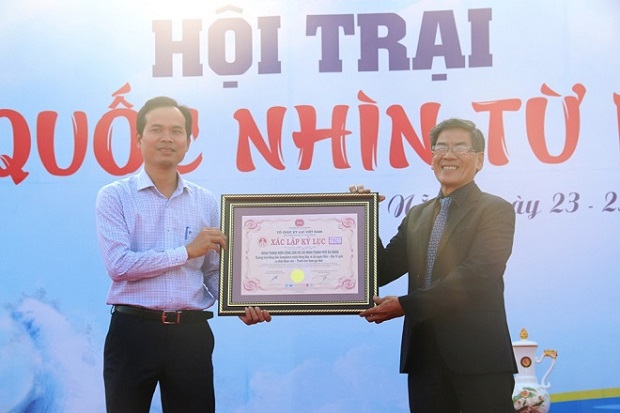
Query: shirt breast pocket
point(188, 234)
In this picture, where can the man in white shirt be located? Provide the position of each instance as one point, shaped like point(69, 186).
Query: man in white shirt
point(160, 241)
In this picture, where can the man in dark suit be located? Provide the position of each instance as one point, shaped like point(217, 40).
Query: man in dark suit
point(456, 347)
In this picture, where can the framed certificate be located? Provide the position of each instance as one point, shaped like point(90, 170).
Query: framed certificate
point(299, 253)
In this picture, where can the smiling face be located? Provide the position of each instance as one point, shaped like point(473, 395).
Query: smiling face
point(164, 140)
point(454, 171)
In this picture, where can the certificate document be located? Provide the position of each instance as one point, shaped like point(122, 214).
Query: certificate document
point(300, 254)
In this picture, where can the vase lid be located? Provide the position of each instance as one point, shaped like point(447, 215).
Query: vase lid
point(524, 342)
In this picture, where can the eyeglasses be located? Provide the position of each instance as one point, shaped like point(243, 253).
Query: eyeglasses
point(457, 150)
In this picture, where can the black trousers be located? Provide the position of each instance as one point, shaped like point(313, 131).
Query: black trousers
point(434, 388)
point(140, 353)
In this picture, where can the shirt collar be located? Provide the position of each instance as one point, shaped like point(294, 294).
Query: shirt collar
point(459, 195)
point(144, 181)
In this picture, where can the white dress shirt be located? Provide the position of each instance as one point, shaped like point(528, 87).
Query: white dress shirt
point(142, 236)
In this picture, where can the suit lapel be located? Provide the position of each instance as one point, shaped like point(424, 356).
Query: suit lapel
point(457, 214)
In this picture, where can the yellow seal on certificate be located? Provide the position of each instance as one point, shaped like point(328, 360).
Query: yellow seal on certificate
point(297, 275)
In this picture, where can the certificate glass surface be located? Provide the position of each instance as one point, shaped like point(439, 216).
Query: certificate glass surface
point(299, 253)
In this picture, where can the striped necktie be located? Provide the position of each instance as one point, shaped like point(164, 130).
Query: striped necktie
point(433, 242)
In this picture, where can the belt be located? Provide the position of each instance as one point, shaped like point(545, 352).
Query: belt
point(165, 317)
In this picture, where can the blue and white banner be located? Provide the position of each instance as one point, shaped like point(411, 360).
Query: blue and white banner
point(310, 96)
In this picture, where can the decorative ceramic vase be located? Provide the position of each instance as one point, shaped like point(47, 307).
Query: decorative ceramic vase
point(529, 396)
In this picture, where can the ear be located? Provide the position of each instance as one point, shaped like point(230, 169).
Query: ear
point(479, 161)
point(138, 140)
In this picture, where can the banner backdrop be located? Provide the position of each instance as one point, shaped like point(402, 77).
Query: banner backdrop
point(310, 96)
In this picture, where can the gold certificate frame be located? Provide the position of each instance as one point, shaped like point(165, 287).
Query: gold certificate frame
point(299, 253)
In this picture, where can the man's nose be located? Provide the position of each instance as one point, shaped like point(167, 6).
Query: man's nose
point(165, 136)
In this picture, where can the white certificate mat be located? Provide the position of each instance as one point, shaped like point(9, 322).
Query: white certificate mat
point(300, 254)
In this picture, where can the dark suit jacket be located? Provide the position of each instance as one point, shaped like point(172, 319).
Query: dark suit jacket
point(464, 306)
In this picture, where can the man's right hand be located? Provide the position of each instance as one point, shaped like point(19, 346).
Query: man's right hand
point(207, 239)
